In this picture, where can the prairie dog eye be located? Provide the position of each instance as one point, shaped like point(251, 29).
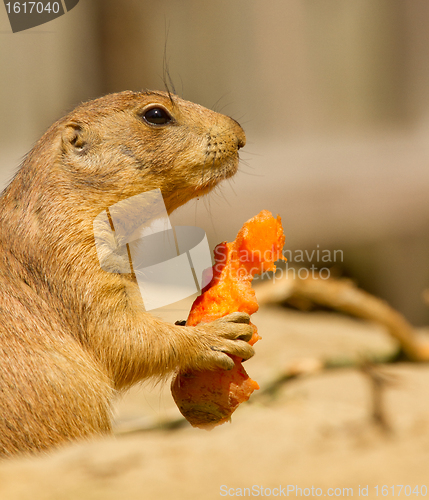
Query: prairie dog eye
point(157, 116)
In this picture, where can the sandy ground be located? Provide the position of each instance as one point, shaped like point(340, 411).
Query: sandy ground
point(315, 431)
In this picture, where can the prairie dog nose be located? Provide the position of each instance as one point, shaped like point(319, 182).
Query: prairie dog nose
point(239, 132)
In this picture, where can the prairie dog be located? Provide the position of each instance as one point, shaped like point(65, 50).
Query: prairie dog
point(72, 334)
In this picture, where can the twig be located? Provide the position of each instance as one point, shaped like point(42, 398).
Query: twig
point(312, 366)
point(379, 382)
point(343, 295)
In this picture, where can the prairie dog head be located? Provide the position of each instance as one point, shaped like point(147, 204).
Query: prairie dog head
point(126, 143)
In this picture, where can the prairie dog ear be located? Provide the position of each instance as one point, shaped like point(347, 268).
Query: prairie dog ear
point(75, 136)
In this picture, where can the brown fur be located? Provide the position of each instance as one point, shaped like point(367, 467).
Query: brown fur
point(71, 334)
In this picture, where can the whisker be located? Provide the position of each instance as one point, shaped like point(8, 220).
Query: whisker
point(220, 98)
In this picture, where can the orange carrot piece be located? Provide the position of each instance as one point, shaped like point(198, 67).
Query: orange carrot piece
point(208, 398)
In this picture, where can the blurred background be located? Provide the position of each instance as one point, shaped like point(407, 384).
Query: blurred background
point(333, 96)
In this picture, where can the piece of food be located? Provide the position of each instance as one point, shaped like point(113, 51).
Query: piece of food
point(208, 398)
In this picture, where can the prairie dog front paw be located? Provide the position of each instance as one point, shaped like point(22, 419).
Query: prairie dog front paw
point(227, 335)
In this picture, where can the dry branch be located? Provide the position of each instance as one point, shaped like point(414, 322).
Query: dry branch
point(345, 296)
